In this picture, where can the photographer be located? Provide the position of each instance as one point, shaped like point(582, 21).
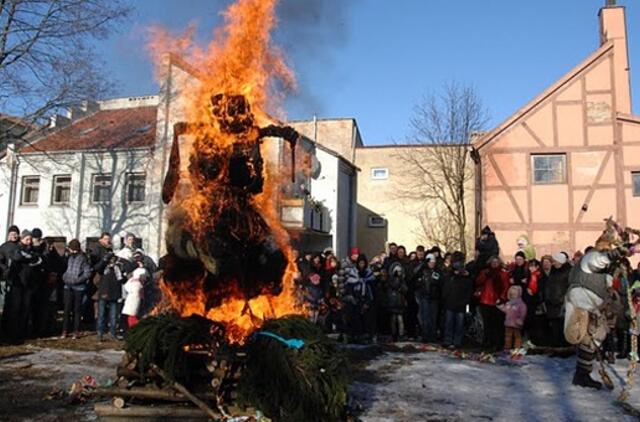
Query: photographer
point(111, 274)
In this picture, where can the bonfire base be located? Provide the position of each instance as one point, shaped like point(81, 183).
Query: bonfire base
point(162, 412)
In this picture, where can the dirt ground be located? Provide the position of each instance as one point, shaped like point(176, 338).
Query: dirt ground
point(35, 378)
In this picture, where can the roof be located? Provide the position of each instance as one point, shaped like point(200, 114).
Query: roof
point(482, 141)
point(105, 129)
point(330, 152)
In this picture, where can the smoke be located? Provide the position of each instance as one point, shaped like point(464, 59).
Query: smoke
point(311, 32)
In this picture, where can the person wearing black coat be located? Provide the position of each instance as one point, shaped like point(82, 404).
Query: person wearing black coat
point(428, 291)
point(555, 288)
point(109, 292)
point(24, 270)
point(486, 247)
point(6, 252)
point(457, 293)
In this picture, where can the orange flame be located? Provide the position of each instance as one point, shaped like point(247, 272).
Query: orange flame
point(239, 60)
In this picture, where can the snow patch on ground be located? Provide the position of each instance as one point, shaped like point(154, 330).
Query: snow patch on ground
point(433, 386)
point(26, 379)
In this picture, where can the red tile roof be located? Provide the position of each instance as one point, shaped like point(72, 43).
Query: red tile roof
point(105, 129)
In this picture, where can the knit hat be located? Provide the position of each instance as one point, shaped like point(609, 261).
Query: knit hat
point(486, 230)
point(521, 254)
point(560, 258)
point(26, 233)
point(37, 233)
point(355, 251)
point(430, 257)
point(74, 245)
point(14, 229)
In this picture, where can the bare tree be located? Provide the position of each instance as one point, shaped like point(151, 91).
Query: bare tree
point(47, 62)
point(440, 166)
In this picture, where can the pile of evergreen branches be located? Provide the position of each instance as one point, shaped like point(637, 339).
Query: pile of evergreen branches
point(288, 384)
point(161, 340)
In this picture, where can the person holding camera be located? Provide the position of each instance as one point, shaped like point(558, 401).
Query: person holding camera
point(76, 279)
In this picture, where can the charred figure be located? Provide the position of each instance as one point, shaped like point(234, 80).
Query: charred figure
point(224, 240)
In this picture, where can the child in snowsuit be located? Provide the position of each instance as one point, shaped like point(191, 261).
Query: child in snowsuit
point(314, 296)
point(132, 302)
point(515, 311)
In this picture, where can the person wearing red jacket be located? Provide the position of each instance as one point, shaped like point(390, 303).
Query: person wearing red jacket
point(491, 286)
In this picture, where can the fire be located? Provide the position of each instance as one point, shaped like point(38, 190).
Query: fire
point(240, 63)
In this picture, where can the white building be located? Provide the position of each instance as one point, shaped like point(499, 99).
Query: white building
point(101, 168)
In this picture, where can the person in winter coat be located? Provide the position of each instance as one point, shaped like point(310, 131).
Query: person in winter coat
point(133, 301)
point(526, 247)
point(491, 286)
point(457, 293)
point(395, 290)
point(358, 297)
point(110, 272)
point(486, 247)
point(536, 321)
point(556, 287)
point(24, 274)
point(428, 292)
point(75, 279)
point(7, 250)
point(519, 274)
point(515, 312)
point(335, 317)
point(314, 295)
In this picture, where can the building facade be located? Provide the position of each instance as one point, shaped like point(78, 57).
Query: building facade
point(102, 169)
point(568, 159)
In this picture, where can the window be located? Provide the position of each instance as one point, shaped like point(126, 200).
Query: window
point(61, 191)
point(379, 173)
point(635, 177)
point(376, 221)
point(101, 189)
point(136, 187)
point(30, 189)
point(549, 169)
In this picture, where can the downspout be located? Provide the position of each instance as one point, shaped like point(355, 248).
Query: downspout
point(14, 162)
point(164, 163)
point(80, 195)
point(475, 156)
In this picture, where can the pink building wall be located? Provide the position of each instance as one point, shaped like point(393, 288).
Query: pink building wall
point(584, 117)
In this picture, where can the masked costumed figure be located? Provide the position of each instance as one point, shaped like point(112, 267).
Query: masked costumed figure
point(588, 299)
point(222, 237)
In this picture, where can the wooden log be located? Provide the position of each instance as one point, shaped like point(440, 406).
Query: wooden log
point(181, 388)
point(164, 412)
point(147, 393)
point(118, 402)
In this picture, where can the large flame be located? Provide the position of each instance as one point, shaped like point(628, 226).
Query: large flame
point(240, 60)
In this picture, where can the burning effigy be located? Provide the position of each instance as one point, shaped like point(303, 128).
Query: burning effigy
point(229, 338)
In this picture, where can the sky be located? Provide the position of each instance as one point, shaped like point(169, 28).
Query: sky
point(374, 60)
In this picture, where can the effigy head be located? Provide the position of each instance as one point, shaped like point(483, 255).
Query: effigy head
point(233, 113)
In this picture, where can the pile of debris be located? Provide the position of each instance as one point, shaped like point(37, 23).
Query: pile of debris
point(182, 368)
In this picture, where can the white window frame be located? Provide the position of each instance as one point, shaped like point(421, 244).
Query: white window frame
point(24, 186)
point(55, 184)
point(371, 221)
point(94, 185)
point(634, 175)
point(128, 187)
point(554, 182)
point(375, 169)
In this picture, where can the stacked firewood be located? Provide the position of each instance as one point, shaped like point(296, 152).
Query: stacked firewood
point(207, 379)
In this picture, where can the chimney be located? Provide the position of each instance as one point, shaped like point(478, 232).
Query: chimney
point(89, 107)
point(613, 28)
point(58, 121)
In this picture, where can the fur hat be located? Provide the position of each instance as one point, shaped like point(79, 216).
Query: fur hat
point(560, 258)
